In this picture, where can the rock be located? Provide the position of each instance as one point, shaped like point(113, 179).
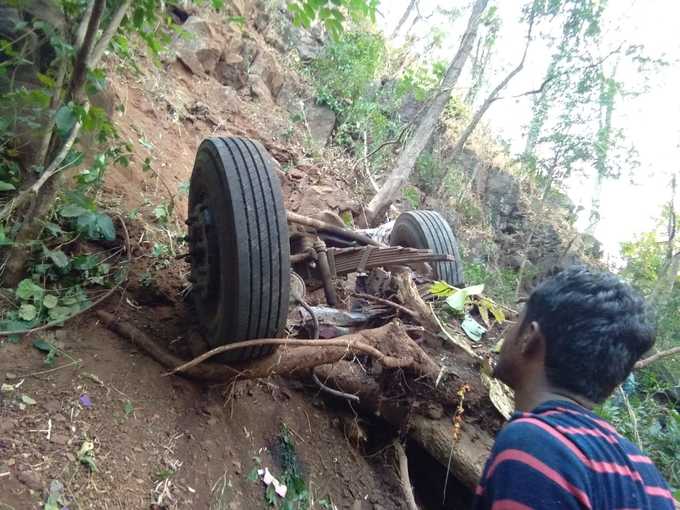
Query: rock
point(60, 439)
point(30, 479)
point(321, 121)
point(266, 66)
point(259, 89)
point(200, 46)
point(232, 58)
point(209, 58)
point(237, 7)
point(189, 59)
point(232, 75)
point(10, 376)
point(232, 101)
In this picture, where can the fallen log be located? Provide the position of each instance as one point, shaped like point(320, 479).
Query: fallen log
point(465, 452)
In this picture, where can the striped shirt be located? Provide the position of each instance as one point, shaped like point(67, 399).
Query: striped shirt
point(563, 456)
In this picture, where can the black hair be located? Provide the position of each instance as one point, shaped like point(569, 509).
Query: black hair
point(596, 327)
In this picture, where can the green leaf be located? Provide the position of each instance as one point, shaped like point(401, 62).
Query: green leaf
point(105, 227)
point(475, 290)
point(7, 186)
point(27, 312)
point(45, 80)
point(53, 229)
point(44, 346)
point(252, 475)
point(457, 301)
point(442, 289)
point(85, 262)
point(128, 408)
point(29, 290)
point(72, 211)
point(50, 301)
point(59, 258)
point(65, 119)
point(59, 313)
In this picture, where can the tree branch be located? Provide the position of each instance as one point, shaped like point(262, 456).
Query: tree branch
point(643, 363)
point(108, 34)
point(402, 460)
point(553, 77)
point(83, 55)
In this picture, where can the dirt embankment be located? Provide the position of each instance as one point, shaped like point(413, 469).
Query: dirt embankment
point(165, 442)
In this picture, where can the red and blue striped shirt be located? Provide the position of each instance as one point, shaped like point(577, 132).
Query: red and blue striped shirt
point(563, 456)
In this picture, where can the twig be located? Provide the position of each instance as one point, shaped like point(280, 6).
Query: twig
point(388, 361)
point(633, 418)
point(43, 372)
point(49, 172)
point(381, 146)
point(404, 476)
point(656, 357)
point(387, 302)
point(96, 302)
point(334, 392)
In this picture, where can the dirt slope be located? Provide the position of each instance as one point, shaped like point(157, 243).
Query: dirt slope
point(166, 442)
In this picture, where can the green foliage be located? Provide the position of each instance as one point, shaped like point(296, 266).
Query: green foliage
point(346, 78)
point(654, 421)
point(428, 172)
point(347, 68)
point(500, 283)
point(297, 497)
point(332, 13)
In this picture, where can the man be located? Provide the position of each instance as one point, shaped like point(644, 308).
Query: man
point(577, 339)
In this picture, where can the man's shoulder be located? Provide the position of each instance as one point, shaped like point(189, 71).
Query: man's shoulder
point(538, 437)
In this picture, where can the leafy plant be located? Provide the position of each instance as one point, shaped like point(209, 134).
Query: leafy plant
point(461, 300)
point(332, 13)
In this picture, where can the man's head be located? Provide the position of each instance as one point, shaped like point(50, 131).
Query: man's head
point(580, 331)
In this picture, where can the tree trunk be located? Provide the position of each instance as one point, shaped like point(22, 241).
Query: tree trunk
point(400, 173)
point(405, 16)
point(467, 132)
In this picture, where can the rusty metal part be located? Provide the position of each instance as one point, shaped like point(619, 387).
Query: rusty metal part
point(298, 290)
point(333, 229)
point(342, 261)
point(302, 247)
point(347, 260)
point(325, 271)
point(301, 257)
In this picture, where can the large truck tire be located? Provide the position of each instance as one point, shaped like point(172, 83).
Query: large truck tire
point(239, 249)
point(428, 229)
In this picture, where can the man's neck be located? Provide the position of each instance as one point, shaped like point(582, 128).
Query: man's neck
point(529, 399)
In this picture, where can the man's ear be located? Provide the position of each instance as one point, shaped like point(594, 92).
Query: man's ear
point(533, 341)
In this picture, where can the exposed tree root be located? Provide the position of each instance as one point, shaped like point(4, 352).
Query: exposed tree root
point(390, 394)
point(397, 351)
point(404, 476)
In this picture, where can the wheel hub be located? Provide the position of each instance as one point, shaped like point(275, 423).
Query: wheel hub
point(203, 251)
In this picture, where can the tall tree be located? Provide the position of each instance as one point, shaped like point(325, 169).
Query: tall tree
point(407, 13)
point(399, 175)
point(491, 98)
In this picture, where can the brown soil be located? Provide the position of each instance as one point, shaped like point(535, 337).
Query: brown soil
point(165, 442)
point(144, 426)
